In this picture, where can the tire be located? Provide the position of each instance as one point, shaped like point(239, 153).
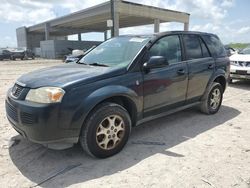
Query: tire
point(211, 104)
point(106, 130)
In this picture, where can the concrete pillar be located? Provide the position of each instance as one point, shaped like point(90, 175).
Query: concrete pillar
point(79, 37)
point(116, 24)
point(47, 30)
point(105, 35)
point(115, 17)
point(186, 26)
point(22, 37)
point(157, 25)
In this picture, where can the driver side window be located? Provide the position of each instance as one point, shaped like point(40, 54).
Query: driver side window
point(168, 47)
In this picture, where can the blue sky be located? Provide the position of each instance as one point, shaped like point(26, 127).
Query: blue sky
point(227, 18)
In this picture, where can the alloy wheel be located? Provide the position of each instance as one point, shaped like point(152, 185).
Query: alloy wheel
point(110, 132)
point(215, 99)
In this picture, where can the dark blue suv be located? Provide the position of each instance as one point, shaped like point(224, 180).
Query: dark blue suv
point(121, 83)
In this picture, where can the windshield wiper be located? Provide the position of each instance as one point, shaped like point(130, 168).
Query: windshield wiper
point(98, 64)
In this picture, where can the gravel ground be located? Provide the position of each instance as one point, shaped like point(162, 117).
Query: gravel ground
point(186, 149)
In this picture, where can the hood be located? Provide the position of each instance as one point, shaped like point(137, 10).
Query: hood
point(240, 57)
point(68, 74)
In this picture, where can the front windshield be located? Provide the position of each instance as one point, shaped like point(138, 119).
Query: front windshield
point(245, 50)
point(119, 51)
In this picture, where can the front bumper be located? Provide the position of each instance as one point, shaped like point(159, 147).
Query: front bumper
point(239, 76)
point(38, 123)
point(241, 73)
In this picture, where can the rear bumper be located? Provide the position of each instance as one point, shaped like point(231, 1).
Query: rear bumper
point(38, 122)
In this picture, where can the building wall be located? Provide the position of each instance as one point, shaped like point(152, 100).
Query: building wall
point(33, 40)
point(54, 49)
point(21, 35)
point(48, 49)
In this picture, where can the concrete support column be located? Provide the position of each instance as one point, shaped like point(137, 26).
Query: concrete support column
point(115, 17)
point(186, 26)
point(105, 35)
point(47, 30)
point(157, 25)
point(116, 24)
point(79, 37)
point(22, 37)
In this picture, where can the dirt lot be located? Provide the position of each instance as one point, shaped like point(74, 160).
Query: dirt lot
point(187, 149)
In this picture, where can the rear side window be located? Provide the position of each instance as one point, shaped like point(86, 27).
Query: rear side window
point(215, 46)
point(204, 49)
point(192, 46)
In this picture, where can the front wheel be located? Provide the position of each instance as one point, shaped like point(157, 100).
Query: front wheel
point(106, 130)
point(213, 99)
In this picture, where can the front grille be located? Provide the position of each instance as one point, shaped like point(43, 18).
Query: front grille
point(244, 63)
point(11, 112)
point(27, 118)
point(17, 90)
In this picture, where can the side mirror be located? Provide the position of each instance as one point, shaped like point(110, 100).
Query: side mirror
point(156, 62)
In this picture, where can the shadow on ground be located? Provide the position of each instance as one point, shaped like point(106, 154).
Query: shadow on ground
point(72, 166)
point(241, 84)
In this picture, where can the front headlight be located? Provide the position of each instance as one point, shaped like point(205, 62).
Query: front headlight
point(45, 95)
point(234, 63)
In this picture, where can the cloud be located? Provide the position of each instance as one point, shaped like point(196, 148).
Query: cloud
point(227, 3)
point(79, 4)
point(244, 30)
point(25, 11)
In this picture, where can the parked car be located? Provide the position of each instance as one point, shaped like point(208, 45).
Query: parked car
point(240, 65)
point(77, 55)
point(22, 54)
point(230, 51)
point(72, 58)
point(4, 54)
point(122, 83)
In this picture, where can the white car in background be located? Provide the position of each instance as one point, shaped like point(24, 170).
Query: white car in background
point(240, 65)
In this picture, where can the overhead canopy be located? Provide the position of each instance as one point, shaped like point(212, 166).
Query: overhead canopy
point(94, 19)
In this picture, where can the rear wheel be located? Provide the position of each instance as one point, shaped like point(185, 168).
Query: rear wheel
point(213, 99)
point(106, 130)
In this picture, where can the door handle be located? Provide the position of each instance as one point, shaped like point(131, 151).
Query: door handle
point(211, 66)
point(181, 72)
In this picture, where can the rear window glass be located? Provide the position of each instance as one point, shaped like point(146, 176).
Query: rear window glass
point(193, 47)
point(215, 46)
point(204, 49)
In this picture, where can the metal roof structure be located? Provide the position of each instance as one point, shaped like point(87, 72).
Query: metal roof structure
point(94, 19)
point(49, 39)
